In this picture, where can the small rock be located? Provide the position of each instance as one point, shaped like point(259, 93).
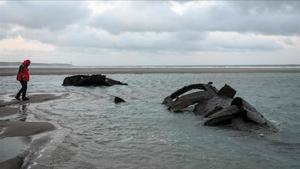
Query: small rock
point(118, 100)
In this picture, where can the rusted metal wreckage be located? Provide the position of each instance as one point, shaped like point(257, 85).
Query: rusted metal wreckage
point(219, 107)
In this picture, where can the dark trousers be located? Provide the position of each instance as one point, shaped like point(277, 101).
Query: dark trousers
point(23, 89)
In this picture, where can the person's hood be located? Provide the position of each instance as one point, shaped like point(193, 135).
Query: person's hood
point(26, 63)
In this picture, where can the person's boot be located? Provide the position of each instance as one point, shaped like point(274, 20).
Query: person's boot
point(17, 97)
point(25, 98)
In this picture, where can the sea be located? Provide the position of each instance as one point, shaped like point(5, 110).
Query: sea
point(95, 133)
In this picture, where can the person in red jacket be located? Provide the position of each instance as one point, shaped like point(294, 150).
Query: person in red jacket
point(23, 78)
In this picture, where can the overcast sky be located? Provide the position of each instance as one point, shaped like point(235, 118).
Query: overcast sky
point(151, 32)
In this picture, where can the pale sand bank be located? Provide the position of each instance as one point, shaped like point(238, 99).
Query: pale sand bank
point(34, 98)
point(18, 128)
point(11, 129)
point(72, 71)
point(7, 111)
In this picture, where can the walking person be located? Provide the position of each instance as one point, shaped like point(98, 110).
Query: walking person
point(23, 78)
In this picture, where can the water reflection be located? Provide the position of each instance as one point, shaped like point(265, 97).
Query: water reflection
point(23, 111)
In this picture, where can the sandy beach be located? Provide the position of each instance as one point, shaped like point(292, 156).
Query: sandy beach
point(72, 71)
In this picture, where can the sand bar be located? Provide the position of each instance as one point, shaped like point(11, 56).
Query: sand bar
point(7, 111)
point(11, 129)
point(18, 128)
point(72, 71)
point(34, 98)
point(14, 163)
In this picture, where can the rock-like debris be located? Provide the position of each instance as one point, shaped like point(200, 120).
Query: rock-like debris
point(219, 107)
point(118, 100)
point(90, 80)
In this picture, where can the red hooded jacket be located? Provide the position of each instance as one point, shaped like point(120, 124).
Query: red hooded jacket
point(23, 74)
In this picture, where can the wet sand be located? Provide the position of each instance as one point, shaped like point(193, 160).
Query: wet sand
point(13, 163)
point(72, 71)
point(12, 127)
point(34, 98)
point(7, 111)
point(18, 128)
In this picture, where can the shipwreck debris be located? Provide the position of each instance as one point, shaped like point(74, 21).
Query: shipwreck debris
point(90, 80)
point(118, 100)
point(218, 107)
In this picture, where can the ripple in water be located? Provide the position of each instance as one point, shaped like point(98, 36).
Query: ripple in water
point(93, 132)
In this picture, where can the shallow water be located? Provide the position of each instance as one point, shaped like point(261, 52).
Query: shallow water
point(93, 132)
point(13, 146)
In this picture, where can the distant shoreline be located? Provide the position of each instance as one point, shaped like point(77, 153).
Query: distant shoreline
point(72, 71)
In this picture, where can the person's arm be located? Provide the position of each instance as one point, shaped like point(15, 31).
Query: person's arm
point(21, 71)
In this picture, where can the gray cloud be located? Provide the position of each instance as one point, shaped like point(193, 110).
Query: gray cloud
point(283, 6)
point(138, 17)
point(255, 17)
point(148, 41)
point(3, 33)
point(152, 26)
point(42, 14)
